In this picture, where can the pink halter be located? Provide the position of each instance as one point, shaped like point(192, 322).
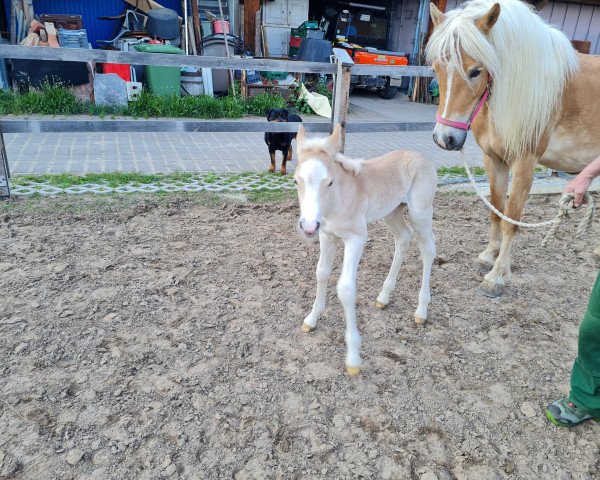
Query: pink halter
point(467, 125)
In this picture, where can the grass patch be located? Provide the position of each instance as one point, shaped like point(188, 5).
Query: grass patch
point(459, 171)
point(57, 100)
point(111, 179)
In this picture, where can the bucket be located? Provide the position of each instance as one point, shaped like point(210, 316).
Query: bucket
point(191, 81)
point(220, 25)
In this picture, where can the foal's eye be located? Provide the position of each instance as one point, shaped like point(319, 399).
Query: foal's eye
point(475, 73)
point(295, 181)
point(330, 184)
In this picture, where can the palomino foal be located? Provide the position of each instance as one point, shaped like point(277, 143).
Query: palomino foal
point(339, 197)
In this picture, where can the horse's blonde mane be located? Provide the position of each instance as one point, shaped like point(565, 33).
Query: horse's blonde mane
point(530, 63)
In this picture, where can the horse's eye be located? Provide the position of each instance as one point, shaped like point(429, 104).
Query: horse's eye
point(330, 184)
point(295, 181)
point(475, 73)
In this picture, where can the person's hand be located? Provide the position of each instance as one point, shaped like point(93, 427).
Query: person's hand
point(578, 186)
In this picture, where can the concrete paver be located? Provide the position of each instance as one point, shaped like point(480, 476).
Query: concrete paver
point(226, 152)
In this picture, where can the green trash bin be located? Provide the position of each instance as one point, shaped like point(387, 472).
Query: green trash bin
point(164, 81)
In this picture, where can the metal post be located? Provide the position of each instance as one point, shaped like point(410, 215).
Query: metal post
point(4, 170)
point(341, 91)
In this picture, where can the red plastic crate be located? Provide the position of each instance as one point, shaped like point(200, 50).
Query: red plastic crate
point(121, 69)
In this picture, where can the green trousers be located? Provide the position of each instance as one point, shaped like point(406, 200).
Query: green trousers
point(585, 378)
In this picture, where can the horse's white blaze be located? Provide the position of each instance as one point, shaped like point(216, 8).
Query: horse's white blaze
point(312, 173)
point(449, 77)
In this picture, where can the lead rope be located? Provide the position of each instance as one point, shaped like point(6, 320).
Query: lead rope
point(565, 209)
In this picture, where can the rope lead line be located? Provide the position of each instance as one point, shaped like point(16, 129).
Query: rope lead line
point(565, 209)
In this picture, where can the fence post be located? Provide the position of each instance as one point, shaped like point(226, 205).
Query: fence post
point(4, 171)
point(341, 90)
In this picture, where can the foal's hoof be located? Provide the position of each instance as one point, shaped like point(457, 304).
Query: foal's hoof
point(306, 328)
point(353, 371)
point(482, 266)
point(490, 290)
point(420, 320)
point(380, 305)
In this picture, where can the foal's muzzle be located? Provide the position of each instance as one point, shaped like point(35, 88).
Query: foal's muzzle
point(309, 229)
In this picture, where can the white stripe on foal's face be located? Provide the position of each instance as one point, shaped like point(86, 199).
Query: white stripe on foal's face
point(311, 177)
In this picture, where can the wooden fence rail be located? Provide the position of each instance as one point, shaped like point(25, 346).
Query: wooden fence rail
point(342, 67)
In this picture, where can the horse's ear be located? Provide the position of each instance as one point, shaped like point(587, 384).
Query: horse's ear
point(489, 19)
point(335, 140)
point(437, 17)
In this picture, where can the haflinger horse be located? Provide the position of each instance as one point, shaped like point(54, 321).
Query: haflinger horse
point(339, 197)
point(528, 97)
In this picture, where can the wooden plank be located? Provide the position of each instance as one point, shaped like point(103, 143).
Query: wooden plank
point(196, 22)
point(342, 56)
point(88, 124)
point(408, 71)
point(138, 58)
point(250, 9)
point(341, 93)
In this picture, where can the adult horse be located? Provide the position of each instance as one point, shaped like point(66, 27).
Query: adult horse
point(528, 97)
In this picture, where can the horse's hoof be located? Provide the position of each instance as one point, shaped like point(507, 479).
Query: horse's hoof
point(306, 328)
point(353, 371)
point(483, 267)
point(420, 320)
point(596, 254)
point(490, 290)
point(380, 305)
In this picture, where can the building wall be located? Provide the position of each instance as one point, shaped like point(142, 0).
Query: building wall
point(575, 20)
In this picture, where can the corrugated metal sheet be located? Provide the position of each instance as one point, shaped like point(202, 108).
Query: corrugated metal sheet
point(91, 10)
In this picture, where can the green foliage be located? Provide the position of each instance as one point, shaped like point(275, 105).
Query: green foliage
point(57, 100)
point(459, 171)
point(261, 104)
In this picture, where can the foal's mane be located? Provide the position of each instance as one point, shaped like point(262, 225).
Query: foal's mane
point(530, 63)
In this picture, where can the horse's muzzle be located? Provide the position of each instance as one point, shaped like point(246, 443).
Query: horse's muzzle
point(450, 140)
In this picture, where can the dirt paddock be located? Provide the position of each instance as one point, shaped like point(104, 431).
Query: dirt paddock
point(159, 336)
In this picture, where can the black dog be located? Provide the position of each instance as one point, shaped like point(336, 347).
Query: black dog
point(280, 141)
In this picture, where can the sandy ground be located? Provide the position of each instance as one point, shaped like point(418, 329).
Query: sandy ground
point(153, 337)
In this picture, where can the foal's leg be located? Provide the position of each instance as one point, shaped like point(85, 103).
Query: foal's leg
point(497, 172)
point(402, 235)
point(498, 277)
point(324, 268)
point(346, 290)
point(421, 219)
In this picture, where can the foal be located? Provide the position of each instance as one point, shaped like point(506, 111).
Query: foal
point(339, 197)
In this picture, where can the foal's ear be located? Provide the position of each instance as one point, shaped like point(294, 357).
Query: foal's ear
point(437, 17)
point(489, 19)
point(301, 135)
point(335, 140)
